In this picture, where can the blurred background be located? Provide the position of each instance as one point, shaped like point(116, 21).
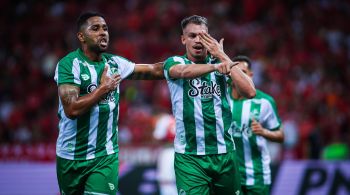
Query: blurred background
point(301, 56)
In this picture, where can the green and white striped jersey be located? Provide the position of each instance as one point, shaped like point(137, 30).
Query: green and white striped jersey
point(252, 152)
point(202, 111)
point(94, 133)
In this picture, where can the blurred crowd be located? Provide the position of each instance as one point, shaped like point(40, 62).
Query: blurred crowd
point(300, 51)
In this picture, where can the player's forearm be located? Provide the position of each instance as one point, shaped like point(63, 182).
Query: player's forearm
point(242, 82)
point(148, 72)
point(75, 106)
point(191, 71)
point(274, 136)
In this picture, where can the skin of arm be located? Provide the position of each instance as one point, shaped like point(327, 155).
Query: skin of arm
point(190, 71)
point(75, 106)
point(148, 72)
point(242, 82)
point(275, 136)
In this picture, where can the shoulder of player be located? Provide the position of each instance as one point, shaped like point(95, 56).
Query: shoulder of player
point(69, 58)
point(175, 58)
point(264, 96)
point(115, 58)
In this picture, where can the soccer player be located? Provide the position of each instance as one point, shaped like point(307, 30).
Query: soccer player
point(88, 88)
point(204, 149)
point(254, 122)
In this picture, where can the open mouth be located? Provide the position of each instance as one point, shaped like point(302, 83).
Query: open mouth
point(103, 42)
point(198, 47)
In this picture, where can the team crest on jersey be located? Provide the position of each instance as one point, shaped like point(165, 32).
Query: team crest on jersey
point(114, 70)
point(204, 89)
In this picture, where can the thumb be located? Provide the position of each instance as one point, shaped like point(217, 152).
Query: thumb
point(105, 70)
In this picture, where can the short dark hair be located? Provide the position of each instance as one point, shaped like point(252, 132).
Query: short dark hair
point(243, 58)
point(85, 16)
point(195, 19)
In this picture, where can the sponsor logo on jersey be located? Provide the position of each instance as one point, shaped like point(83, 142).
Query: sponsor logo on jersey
point(238, 131)
point(85, 77)
point(204, 89)
point(111, 186)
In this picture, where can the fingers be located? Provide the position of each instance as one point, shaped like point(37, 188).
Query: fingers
point(206, 39)
point(222, 43)
point(117, 77)
point(205, 42)
point(223, 68)
point(105, 71)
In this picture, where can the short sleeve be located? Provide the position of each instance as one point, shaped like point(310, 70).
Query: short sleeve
point(125, 67)
point(170, 62)
point(270, 118)
point(68, 72)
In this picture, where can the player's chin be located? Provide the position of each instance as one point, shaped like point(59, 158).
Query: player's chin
point(199, 55)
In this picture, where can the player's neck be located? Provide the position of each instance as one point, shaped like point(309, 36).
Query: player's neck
point(91, 55)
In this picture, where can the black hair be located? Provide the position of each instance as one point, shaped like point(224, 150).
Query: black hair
point(85, 16)
point(195, 19)
point(242, 58)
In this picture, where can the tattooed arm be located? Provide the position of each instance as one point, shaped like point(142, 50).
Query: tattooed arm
point(148, 72)
point(75, 106)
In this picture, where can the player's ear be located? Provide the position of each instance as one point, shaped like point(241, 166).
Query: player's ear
point(183, 40)
point(80, 36)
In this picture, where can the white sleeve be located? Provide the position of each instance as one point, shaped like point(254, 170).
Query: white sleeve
point(268, 116)
point(125, 67)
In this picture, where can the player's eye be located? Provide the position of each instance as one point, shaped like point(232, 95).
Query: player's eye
point(94, 28)
point(192, 36)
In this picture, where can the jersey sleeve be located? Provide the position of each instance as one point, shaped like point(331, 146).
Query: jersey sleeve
point(170, 62)
point(269, 115)
point(125, 67)
point(68, 72)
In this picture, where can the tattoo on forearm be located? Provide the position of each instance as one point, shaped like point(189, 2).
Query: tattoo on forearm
point(68, 94)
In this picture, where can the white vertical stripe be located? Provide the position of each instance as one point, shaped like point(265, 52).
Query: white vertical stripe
point(270, 118)
point(76, 71)
point(198, 119)
point(231, 104)
point(219, 120)
point(109, 141)
point(65, 145)
point(265, 157)
point(176, 95)
point(176, 90)
point(247, 150)
point(94, 119)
